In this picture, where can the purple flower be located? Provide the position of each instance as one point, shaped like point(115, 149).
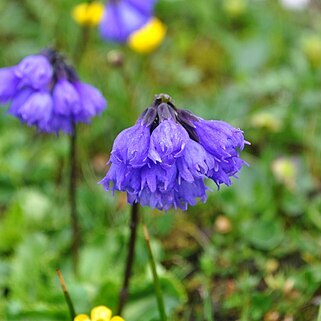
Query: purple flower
point(164, 159)
point(34, 71)
point(45, 91)
point(122, 17)
point(36, 110)
point(8, 84)
point(131, 146)
point(167, 142)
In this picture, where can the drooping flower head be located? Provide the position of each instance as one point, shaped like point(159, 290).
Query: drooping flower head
point(163, 160)
point(122, 17)
point(46, 92)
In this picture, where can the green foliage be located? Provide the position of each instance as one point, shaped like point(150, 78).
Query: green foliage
point(252, 252)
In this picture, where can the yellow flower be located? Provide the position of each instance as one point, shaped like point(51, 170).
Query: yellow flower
point(99, 313)
point(82, 317)
point(88, 14)
point(148, 38)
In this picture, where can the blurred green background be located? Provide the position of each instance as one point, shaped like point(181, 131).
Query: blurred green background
point(252, 252)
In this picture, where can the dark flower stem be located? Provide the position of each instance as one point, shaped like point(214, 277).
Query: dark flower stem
point(67, 296)
point(72, 199)
point(158, 290)
point(78, 53)
point(130, 258)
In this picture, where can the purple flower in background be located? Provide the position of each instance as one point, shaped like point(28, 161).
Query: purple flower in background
point(46, 92)
point(122, 17)
point(163, 160)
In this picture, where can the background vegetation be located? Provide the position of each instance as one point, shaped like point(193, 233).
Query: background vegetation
point(252, 252)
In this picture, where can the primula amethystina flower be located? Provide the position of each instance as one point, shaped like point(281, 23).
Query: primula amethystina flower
point(122, 17)
point(163, 160)
point(99, 313)
point(147, 38)
point(46, 92)
point(88, 14)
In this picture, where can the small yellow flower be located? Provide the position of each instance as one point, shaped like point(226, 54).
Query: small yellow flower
point(148, 38)
point(88, 14)
point(99, 313)
point(82, 317)
point(117, 318)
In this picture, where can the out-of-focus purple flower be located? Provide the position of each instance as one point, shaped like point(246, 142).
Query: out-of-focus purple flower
point(36, 110)
point(45, 91)
point(122, 17)
point(8, 84)
point(163, 160)
point(34, 71)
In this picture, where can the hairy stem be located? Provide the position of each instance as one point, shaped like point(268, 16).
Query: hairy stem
point(130, 258)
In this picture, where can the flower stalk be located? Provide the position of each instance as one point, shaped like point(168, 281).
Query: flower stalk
point(79, 49)
point(158, 290)
point(130, 258)
point(72, 199)
point(66, 295)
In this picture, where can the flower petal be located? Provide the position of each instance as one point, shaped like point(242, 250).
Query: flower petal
point(167, 142)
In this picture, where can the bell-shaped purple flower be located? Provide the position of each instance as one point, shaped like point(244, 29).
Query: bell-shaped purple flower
point(228, 142)
point(147, 7)
point(34, 71)
point(45, 76)
point(195, 163)
point(8, 84)
point(227, 138)
point(188, 192)
point(36, 110)
point(66, 98)
point(92, 102)
point(122, 17)
point(163, 160)
point(131, 146)
point(158, 178)
point(19, 100)
point(167, 143)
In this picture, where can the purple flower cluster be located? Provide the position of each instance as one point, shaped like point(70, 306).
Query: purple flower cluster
point(163, 159)
point(45, 91)
point(122, 17)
